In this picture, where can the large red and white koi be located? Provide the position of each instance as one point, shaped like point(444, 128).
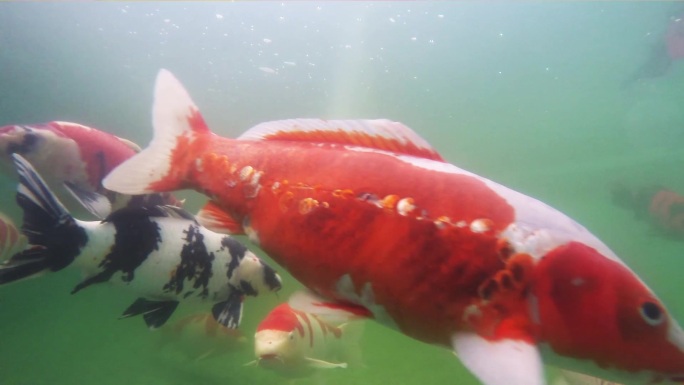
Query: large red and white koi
point(78, 155)
point(367, 212)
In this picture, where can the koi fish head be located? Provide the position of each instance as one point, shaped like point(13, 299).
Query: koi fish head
point(50, 152)
point(278, 342)
point(591, 307)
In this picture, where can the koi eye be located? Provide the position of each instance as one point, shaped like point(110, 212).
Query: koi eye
point(651, 313)
point(291, 336)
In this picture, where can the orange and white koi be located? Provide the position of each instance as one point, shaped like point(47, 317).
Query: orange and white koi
point(78, 155)
point(367, 212)
point(295, 342)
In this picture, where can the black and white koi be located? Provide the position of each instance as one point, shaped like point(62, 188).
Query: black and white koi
point(160, 252)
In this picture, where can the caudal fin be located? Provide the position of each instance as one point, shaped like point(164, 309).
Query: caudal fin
point(163, 165)
point(54, 236)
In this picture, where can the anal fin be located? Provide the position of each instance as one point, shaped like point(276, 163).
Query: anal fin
point(97, 204)
point(215, 219)
point(155, 313)
point(320, 364)
point(499, 362)
point(333, 312)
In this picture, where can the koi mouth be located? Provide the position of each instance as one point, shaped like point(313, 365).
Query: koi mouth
point(270, 361)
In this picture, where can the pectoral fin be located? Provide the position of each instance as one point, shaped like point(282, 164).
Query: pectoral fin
point(320, 364)
point(97, 204)
point(155, 313)
point(499, 362)
point(215, 219)
point(229, 312)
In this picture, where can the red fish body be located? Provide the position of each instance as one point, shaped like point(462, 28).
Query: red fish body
point(73, 153)
point(367, 213)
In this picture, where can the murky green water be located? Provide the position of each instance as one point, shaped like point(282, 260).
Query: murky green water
point(529, 95)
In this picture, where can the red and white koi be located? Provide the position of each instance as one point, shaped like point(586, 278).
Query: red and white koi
point(367, 212)
point(78, 155)
point(295, 342)
point(159, 252)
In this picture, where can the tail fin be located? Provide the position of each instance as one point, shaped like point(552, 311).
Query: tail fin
point(54, 237)
point(163, 165)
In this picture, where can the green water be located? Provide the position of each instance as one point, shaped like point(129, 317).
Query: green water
point(529, 95)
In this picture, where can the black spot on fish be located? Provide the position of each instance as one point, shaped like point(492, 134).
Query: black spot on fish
point(506, 281)
point(137, 236)
point(368, 197)
point(271, 278)
point(196, 263)
point(488, 288)
point(27, 144)
point(246, 288)
point(518, 272)
point(237, 252)
point(102, 160)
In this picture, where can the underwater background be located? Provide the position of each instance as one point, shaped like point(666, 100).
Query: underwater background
point(540, 97)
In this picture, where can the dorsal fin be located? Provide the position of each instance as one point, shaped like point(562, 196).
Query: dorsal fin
point(331, 311)
point(159, 211)
point(380, 134)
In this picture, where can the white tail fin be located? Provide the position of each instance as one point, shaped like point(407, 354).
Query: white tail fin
point(163, 165)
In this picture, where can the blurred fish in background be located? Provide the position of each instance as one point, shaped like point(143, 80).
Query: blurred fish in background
point(11, 239)
point(668, 49)
point(662, 207)
point(198, 337)
point(78, 155)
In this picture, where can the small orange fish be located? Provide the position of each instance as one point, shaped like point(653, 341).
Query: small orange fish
point(199, 336)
